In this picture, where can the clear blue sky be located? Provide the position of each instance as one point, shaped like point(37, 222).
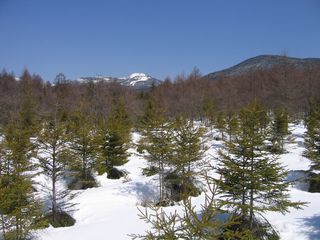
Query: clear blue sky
point(159, 37)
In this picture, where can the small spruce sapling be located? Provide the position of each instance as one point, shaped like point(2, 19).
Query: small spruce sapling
point(53, 159)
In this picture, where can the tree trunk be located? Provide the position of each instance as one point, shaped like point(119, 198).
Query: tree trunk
point(243, 188)
point(54, 179)
point(84, 166)
point(3, 227)
point(160, 181)
point(251, 195)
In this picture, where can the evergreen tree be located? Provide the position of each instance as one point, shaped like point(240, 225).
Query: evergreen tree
point(83, 146)
point(20, 210)
point(53, 155)
point(279, 129)
point(312, 136)
point(119, 120)
point(264, 119)
point(252, 182)
point(159, 146)
point(206, 224)
point(153, 116)
point(187, 145)
point(114, 140)
point(209, 112)
point(157, 141)
point(231, 124)
point(2, 155)
point(187, 151)
point(221, 123)
point(27, 115)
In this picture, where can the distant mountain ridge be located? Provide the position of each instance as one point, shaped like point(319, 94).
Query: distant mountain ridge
point(138, 81)
point(263, 62)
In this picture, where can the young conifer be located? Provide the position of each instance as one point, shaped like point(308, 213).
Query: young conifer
point(211, 222)
point(84, 149)
point(231, 124)
point(114, 138)
point(28, 108)
point(188, 152)
point(53, 156)
point(312, 136)
point(20, 210)
point(187, 146)
point(221, 124)
point(279, 129)
point(157, 141)
point(208, 109)
point(252, 181)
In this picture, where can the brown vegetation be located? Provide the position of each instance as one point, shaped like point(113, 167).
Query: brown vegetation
point(189, 96)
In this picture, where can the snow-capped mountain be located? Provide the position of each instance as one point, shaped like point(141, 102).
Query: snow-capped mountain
point(139, 81)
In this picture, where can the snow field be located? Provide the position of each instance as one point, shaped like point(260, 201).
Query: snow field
point(110, 210)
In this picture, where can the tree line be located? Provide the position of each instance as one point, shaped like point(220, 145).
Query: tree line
point(190, 95)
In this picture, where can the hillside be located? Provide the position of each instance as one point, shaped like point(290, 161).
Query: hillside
point(265, 62)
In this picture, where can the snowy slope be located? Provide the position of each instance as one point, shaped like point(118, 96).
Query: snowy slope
point(110, 211)
point(140, 81)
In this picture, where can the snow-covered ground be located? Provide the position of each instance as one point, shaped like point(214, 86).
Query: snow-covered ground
point(110, 211)
point(298, 224)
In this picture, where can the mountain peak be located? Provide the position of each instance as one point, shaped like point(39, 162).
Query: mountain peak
point(139, 81)
point(141, 76)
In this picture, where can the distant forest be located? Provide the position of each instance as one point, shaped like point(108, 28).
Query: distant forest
point(191, 96)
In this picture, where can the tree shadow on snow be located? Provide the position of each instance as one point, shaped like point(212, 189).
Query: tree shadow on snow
point(217, 145)
point(299, 179)
point(313, 227)
point(297, 135)
point(300, 144)
point(144, 191)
